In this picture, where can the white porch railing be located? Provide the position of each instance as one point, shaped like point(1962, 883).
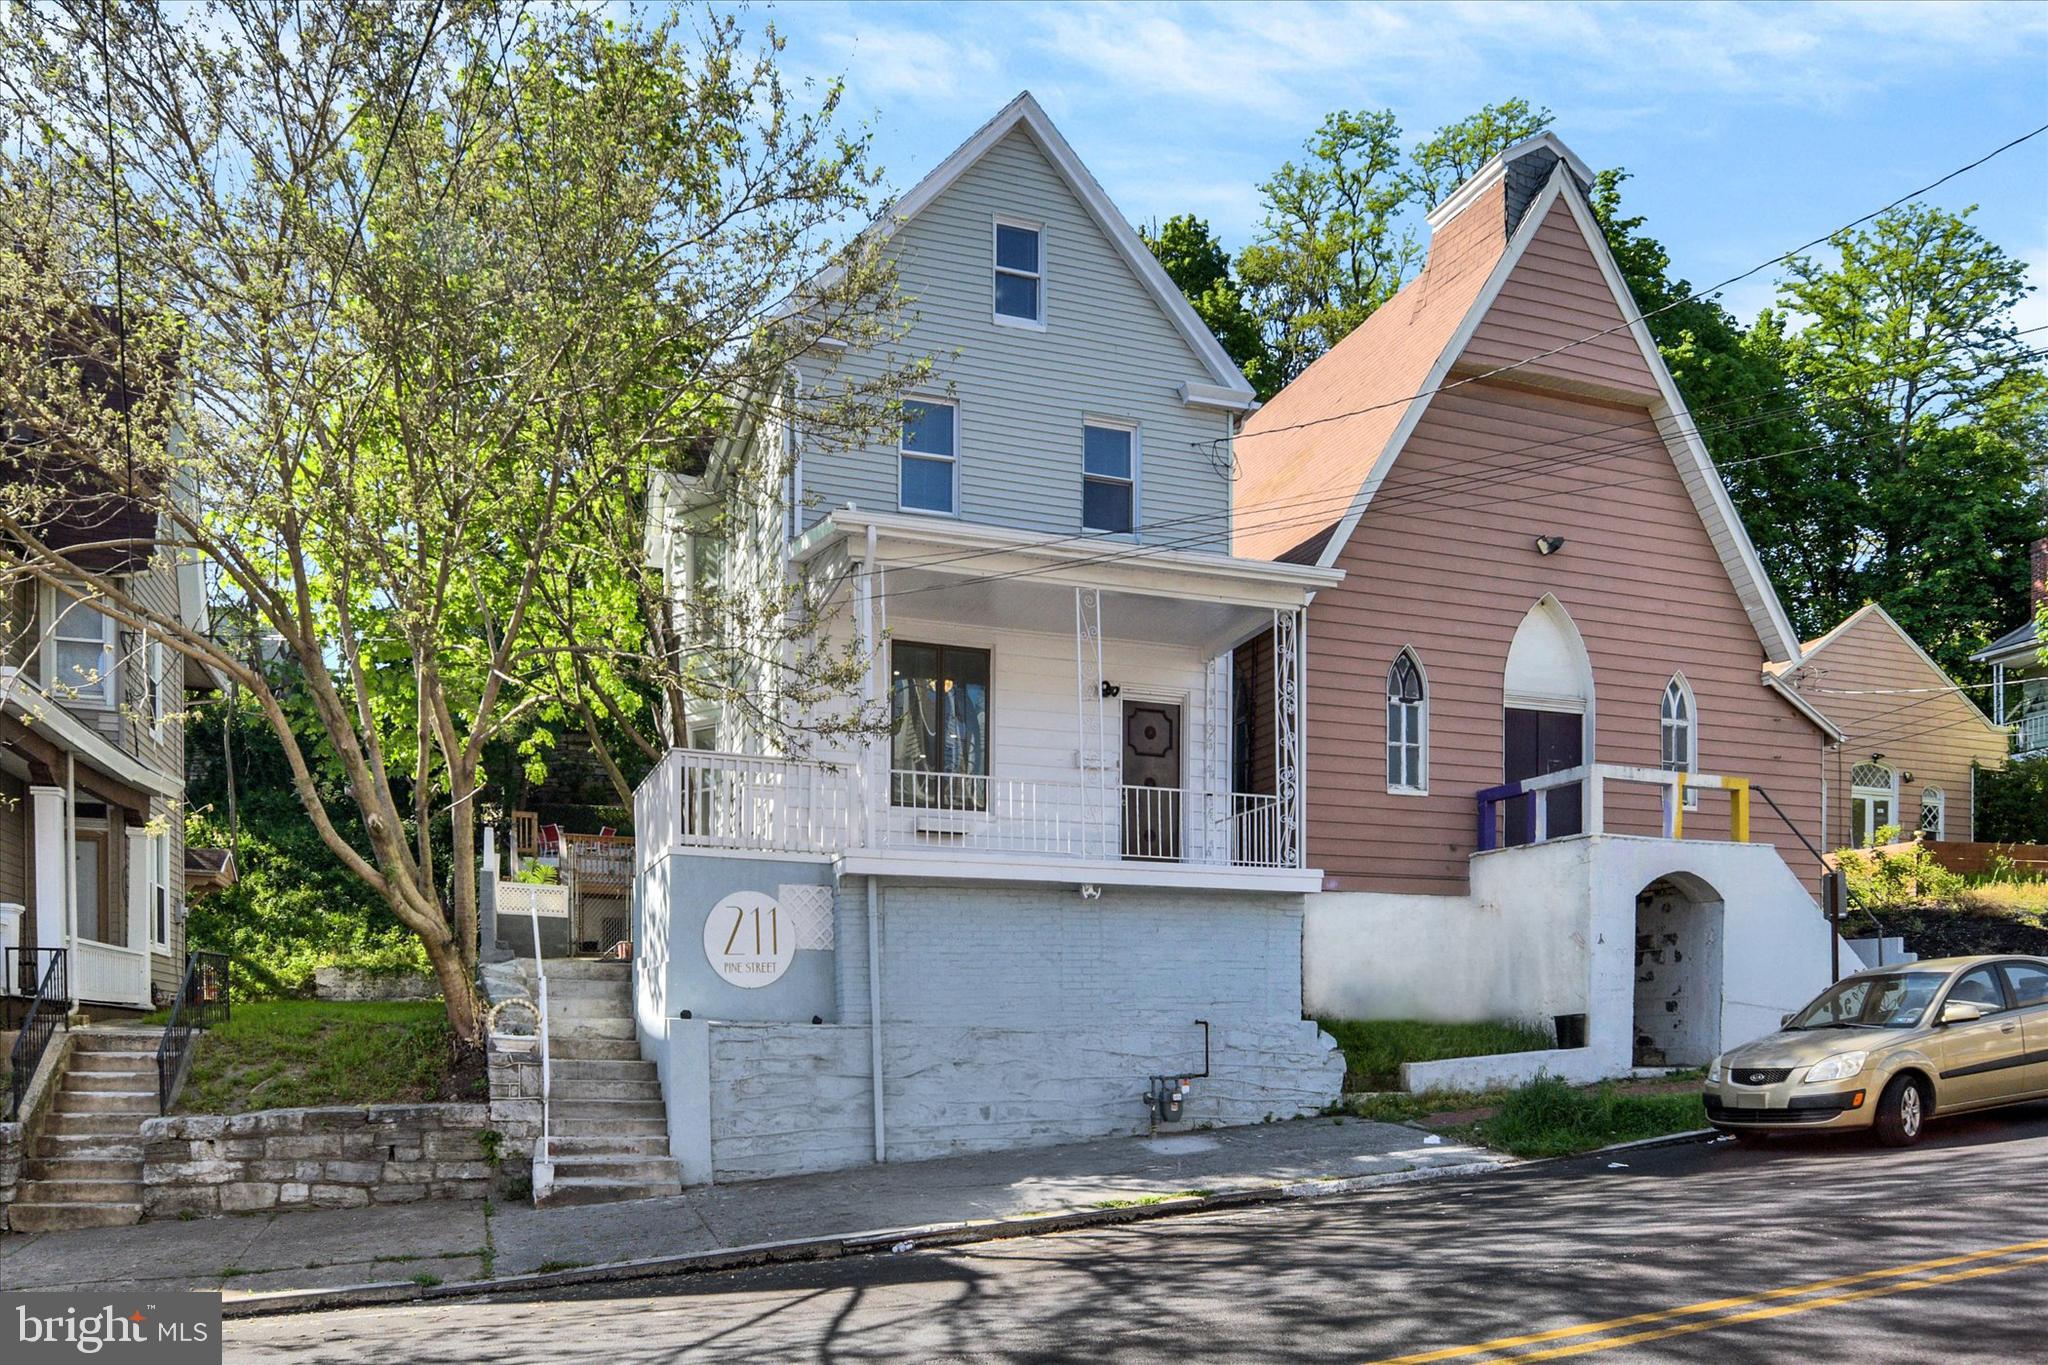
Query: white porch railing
point(108, 974)
point(763, 804)
point(1590, 783)
point(2031, 733)
point(782, 805)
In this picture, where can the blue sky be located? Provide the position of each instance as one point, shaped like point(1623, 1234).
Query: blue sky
point(1747, 129)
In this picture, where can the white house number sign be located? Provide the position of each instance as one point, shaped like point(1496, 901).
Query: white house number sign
point(746, 940)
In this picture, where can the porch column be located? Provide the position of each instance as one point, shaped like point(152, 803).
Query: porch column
point(1097, 801)
point(140, 894)
point(53, 868)
point(864, 819)
point(1998, 694)
point(10, 940)
point(1288, 755)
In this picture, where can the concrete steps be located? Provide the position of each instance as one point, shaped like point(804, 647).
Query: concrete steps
point(608, 1125)
point(588, 1048)
point(570, 1189)
point(86, 1169)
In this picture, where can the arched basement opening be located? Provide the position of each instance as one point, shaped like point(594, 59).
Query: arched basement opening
point(1678, 972)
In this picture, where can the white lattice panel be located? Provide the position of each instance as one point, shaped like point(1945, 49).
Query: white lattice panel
point(809, 909)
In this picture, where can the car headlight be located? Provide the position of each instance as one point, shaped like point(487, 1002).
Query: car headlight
point(1839, 1067)
point(1714, 1072)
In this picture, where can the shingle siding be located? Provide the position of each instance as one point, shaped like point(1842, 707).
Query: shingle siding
point(1108, 351)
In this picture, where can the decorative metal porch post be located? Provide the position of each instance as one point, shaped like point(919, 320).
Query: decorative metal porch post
point(1287, 738)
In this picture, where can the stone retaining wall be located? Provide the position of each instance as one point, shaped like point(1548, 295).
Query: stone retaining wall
point(314, 1158)
point(11, 1147)
point(350, 983)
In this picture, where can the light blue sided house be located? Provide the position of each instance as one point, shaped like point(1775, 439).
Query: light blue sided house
point(1075, 862)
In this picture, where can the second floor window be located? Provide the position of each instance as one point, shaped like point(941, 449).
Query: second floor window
point(1109, 480)
point(926, 454)
point(81, 652)
point(938, 699)
point(1020, 279)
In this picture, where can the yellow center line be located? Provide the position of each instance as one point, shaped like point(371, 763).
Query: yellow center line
point(1783, 1310)
point(1720, 1305)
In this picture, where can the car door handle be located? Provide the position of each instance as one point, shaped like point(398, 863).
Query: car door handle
point(2005, 1028)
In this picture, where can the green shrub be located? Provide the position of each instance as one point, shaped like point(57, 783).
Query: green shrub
point(1881, 879)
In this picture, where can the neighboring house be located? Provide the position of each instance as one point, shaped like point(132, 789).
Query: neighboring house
point(1047, 884)
point(1550, 615)
point(1912, 734)
point(92, 772)
point(2019, 670)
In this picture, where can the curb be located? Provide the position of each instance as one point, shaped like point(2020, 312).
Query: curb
point(832, 1248)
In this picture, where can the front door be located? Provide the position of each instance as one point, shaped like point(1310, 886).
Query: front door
point(1152, 802)
point(1540, 742)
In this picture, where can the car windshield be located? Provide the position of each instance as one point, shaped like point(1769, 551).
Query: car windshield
point(1892, 1000)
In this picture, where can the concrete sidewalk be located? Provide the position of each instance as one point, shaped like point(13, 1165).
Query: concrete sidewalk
point(478, 1242)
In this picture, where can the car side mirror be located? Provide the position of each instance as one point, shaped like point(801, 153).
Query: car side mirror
point(1785, 1020)
point(1960, 1012)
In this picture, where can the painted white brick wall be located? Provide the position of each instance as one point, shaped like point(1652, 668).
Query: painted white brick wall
point(1040, 956)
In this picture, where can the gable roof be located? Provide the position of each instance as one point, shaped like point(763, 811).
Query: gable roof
point(2022, 641)
point(1340, 426)
point(1871, 611)
point(1228, 387)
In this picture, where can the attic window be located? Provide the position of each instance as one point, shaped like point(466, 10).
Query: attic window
point(1020, 277)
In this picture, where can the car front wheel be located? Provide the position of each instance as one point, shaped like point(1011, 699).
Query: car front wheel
point(1901, 1112)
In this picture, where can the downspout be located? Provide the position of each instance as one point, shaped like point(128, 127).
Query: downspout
point(875, 1012)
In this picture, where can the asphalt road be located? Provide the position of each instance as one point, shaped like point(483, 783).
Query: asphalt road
point(1808, 1250)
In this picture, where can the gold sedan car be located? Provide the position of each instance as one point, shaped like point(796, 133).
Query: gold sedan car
point(1891, 1048)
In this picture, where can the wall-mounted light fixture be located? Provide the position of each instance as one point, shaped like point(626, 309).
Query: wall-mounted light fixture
point(1110, 689)
point(1549, 545)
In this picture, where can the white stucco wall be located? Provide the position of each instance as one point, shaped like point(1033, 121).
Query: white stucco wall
point(1552, 930)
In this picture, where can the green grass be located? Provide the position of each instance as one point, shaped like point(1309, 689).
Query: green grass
point(290, 1054)
point(1549, 1118)
point(1147, 1200)
point(1374, 1049)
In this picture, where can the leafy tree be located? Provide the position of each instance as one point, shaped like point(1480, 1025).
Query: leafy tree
point(1934, 415)
point(1336, 242)
point(1330, 247)
point(406, 294)
point(1198, 263)
point(1451, 155)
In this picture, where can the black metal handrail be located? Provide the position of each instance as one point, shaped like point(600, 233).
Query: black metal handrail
point(201, 1002)
point(51, 1007)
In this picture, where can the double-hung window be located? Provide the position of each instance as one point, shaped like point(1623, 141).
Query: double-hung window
point(153, 681)
point(939, 702)
point(926, 455)
point(1407, 727)
point(81, 651)
point(1020, 274)
point(160, 891)
point(1109, 478)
